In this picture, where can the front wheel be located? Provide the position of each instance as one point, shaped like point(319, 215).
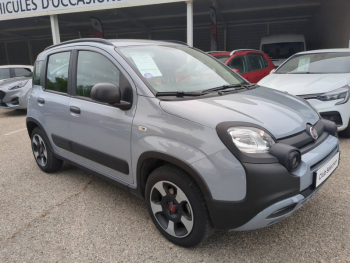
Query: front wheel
point(42, 153)
point(177, 206)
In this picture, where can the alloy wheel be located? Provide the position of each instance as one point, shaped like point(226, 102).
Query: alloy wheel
point(39, 150)
point(172, 209)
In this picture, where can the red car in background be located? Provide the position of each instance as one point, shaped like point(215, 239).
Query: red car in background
point(253, 65)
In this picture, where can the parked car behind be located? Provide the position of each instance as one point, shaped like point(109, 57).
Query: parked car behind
point(281, 47)
point(14, 71)
point(14, 92)
point(251, 64)
point(321, 77)
point(205, 149)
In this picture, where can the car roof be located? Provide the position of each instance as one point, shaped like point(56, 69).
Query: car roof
point(17, 66)
point(108, 43)
point(333, 50)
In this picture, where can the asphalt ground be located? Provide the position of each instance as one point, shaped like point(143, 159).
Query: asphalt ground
point(73, 216)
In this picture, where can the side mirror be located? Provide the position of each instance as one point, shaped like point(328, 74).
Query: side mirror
point(273, 71)
point(235, 70)
point(109, 93)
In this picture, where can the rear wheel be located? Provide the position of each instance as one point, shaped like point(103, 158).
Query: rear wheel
point(177, 206)
point(42, 153)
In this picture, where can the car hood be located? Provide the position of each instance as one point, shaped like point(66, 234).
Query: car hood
point(305, 84)
point(279, 113)
point(9, 82)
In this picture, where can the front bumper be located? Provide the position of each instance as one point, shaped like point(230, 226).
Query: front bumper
point(270, 187)
point(14, 99)
point(329, 108)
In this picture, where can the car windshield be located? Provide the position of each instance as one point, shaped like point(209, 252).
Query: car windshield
point(321, 63)
point(179, 68)
point(282, 50)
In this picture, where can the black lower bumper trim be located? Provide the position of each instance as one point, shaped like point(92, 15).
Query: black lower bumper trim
point(266, 184)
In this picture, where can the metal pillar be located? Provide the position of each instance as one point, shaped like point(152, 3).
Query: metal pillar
point(30, 53)
point(7, 54)
point(190, 23)
point(225, 38)
point(55, 29)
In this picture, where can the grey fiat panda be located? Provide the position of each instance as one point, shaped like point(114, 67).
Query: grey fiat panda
point(206, 149)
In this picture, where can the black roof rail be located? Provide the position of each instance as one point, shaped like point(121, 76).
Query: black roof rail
point(79, 40)
point(176, 42)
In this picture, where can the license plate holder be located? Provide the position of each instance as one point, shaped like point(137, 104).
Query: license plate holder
point(324, 172)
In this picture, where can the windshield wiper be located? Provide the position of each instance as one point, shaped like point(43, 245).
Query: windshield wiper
point(178, 94)
point(223, 87)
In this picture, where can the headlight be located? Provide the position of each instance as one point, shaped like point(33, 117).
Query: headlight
point(342, 93)
point(19, 85)
point(251, 140)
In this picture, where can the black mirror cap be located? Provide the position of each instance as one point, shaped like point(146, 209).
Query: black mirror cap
point(106, 92)
point(288, 156)
point(330, 127)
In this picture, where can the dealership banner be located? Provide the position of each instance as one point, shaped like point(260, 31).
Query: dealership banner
point(10, 8)
point(97, 27)
point(14, 9)
point(213, 30)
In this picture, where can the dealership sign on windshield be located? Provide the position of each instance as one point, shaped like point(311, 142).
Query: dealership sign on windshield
point(25, 8)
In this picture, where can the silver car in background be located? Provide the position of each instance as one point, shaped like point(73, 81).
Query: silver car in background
point(14, 71)
point(14, 92)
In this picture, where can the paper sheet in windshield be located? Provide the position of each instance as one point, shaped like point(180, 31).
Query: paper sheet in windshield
point(145, 64)
point(304, 64)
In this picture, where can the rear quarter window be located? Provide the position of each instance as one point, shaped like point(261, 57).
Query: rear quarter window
point(4, 73)
point(37, 73)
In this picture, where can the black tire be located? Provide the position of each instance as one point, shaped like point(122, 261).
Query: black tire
point(201, 226)
point(52, 164)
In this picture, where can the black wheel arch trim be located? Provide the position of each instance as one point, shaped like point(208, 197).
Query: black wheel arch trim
point(173, 160)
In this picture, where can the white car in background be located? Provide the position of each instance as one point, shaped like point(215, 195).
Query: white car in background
point(321, 77)
point(281, 47)
point(14, 71)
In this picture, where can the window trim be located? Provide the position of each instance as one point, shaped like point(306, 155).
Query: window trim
point(253, 53)
point(44, 84)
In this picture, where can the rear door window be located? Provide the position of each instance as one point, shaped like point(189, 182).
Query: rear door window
point(256, 61)
point(94, 68)
point(4, 73)
point(21, 72)
point(239, 63)
point(57, 72)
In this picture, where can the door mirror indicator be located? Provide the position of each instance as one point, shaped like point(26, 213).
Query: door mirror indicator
point(109, 93)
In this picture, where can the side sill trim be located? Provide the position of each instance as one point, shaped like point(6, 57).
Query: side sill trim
point(92, 154)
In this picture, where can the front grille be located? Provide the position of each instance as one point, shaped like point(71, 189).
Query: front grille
point(2, 95)
point(322, 161)
point(303, 140)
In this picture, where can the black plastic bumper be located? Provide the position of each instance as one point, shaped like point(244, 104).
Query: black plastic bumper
point(266, 184)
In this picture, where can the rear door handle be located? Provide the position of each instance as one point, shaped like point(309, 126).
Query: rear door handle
point(41, 100)
point(75, 110)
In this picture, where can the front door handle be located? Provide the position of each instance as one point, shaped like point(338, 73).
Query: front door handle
point(41, 100)
point(75, 110)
